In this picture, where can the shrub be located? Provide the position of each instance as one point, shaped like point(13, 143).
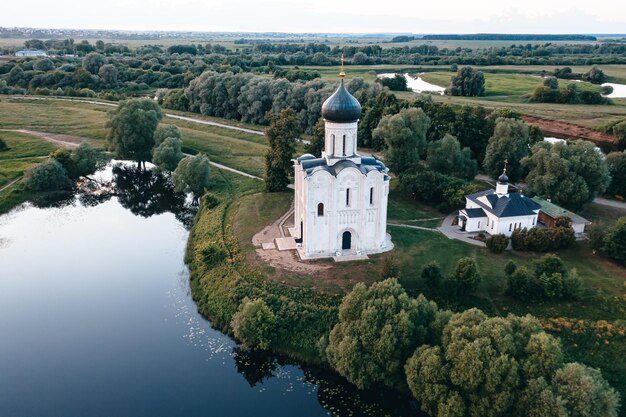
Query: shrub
point(212, 255)
point(210, 201)
point(520, 282)
point(431, 274)
point(497, 243)
point(465, 278)
point(47, 176)
point(543, 240)
point(572, 285)
point(254, 324)
point(510, 267)
point(614, 241)
point(549, 264)
point(391, 267)
point(551, 285)
point(3, 145)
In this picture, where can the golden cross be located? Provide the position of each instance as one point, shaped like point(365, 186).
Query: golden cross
point(506, 162)
point(342, 73)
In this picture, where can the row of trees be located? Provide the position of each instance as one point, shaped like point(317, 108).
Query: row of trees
point(548, 279)
point(459, 364)
point(550, 92)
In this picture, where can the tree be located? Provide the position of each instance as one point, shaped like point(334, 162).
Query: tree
point(131, 129)
point(3, 145)
point(378, 329)
point(47, 176)
point(405, 136)
point(192, 175)
point(168, 154)
point(465, 277)
point(391, 267)
point(253, 324)
point(431, 274)
point(473, 128)
point(595, 75)
point(163, 132)
point(468, 82)
point(482, 365)
point(587, 394)
point(93, 61)
point(88, 159)
point(281, 135)
point(616, 164)
point(570, 174)
point(316, 146)
point(509, 143)
point(614, 241)
point(108, 74)
point(395, 83)
point(446, 157)
point(44, 64)
point(497, 243)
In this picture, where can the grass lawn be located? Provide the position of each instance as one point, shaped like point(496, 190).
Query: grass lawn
point(25, 151)
point(239, 150)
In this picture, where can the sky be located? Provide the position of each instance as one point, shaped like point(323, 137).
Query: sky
point(327, 16)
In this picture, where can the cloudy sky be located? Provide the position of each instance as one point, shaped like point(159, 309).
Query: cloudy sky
point(332, 16)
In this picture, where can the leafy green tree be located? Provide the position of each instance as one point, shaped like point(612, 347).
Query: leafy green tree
point(47, 176)
point(93, 61)
point(378, 329)
point(465, 277)
point(44, 64)
point(549, 264)
point(497, 243)
point(585, 392)
point(520, 283)
point(64, 157)
point(163, 132)
point(88, 159)
point(131, 129)
point(468, 82)
point(614, 241)
point(281, 135)
point(108, 74)
point(373, 111)
point(168, 154)
point(616, 164)
point(391, 266)
point(570, 174)
point(395, 83)
point(595, 75)
point(254, 323)
point(446, 156)
point(405, 136)
point(192, 175)
point(431, 274)
point(473, 128)
point(317, 144)
point(509, 142)
point(482, 365)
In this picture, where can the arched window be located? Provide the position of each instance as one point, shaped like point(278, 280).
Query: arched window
point(333, 136)
point(371, 195)
point(344, 145)
point(320, 209)
point(347, 197)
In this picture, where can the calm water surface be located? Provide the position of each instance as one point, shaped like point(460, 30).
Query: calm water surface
point(96, 319)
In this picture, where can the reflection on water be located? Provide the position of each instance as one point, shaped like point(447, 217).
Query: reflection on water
point(417, 84)
point(96, 318)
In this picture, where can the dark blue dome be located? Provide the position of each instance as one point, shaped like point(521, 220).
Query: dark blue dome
point(503, 179)
point(341, 107)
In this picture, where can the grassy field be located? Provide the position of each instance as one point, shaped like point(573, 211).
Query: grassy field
point(239, 150)
point(25, 151)
point(586, 326)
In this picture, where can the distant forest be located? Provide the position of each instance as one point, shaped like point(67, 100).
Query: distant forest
point(495, 37)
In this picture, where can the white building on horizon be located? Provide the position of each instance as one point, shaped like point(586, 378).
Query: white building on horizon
point(341, 198)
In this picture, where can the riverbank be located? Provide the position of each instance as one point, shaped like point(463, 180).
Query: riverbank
point(221, 279)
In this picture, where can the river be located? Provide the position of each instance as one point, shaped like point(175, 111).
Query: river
point(96, 319)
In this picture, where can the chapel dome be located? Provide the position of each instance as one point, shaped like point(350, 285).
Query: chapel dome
point(341, 107)
point(503, 179)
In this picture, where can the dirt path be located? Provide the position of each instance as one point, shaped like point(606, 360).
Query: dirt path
point(11, 183)
point(569, 131)
point(65, 141)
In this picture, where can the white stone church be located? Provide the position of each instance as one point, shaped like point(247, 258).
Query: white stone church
point(341, 198)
